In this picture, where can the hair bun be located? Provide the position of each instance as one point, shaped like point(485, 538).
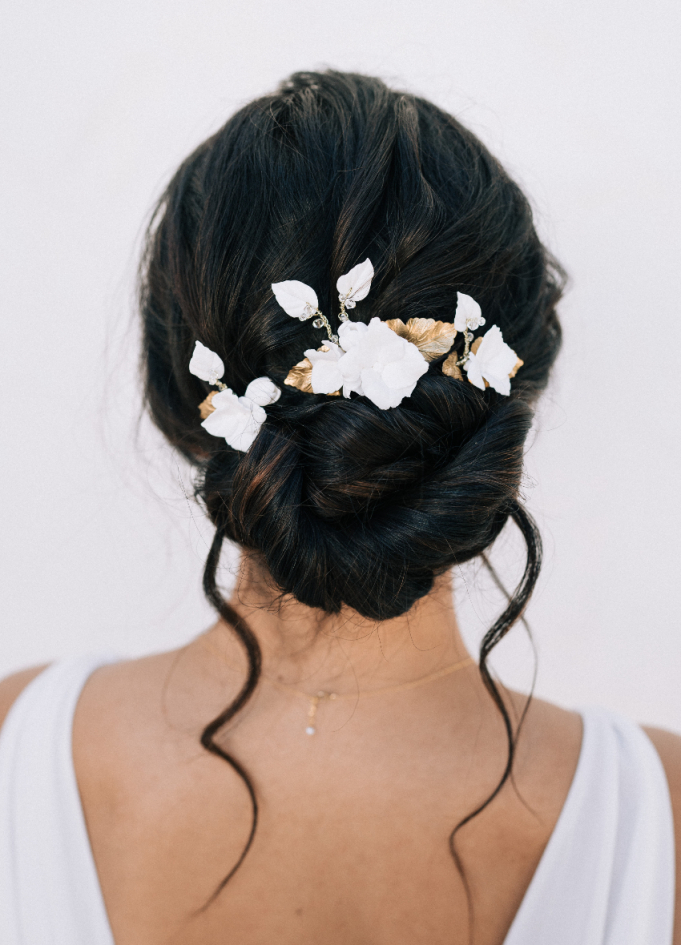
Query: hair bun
point(364, 507)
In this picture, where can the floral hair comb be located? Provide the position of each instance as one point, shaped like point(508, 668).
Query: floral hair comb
point(237, 419)
point(382, 361)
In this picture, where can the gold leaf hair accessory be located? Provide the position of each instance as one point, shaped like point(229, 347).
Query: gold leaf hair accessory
point(383, 361)
point(236, 419)
point(433, 339)
point(488, 361)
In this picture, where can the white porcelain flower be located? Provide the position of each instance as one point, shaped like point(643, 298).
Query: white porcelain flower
point(297, 299)
point(238, 419)
point(381, 365)
point(354, 285)
point(351, 333)
point(468, 313)
point(326, 376)
point(263, 392)
point(493, 362)
point(206, 364)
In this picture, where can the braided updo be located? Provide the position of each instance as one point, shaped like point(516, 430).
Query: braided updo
point(347, 504)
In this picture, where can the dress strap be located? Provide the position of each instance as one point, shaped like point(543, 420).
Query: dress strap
point(607, 874)
point(49, 891)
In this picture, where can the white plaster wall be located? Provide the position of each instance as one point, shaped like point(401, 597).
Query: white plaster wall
point(100, 101)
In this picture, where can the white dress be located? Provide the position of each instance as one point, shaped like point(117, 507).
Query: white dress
point(606, 876)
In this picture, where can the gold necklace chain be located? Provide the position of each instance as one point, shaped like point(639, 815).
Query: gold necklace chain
point(322, 695)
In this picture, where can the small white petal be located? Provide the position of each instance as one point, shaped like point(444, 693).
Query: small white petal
point(220, 422)
point(236, 419)
point(326, 377)
point(468, 313)
point(206, 364)
point(404, 373)
point(256, 412)
point(378, 392)
point(494, 360)
point(294, 296)
point(383, 344)
point(224, 400)
point(352, 382)
point(332, 353)
point(351, 368)
point(350, 333)
point(243, 434)
point(472, 369)
point(355, 285)
point(502, 385)
point(495, 353)
point(263, 391)
point(217, 424)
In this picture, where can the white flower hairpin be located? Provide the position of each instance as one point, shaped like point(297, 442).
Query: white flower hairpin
point(383, 361)
point(492, 362)
point(236, 419)
point(300, 301)
point(354, 286)
point(488, 361)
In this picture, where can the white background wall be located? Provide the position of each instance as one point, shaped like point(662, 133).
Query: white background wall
point(100, 101)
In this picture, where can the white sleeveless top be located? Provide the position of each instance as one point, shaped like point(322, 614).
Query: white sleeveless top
point(606, 876)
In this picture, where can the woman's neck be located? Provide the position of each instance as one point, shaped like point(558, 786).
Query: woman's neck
point(313, 650)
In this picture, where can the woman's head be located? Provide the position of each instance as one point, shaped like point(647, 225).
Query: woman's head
point(345, 503)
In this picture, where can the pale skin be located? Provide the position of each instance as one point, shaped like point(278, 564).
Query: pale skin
point(351, 847)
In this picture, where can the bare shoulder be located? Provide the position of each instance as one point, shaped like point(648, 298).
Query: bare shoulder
point(547, 753)
point(143, 714)
point(548, 732)
point(12, 686)
point(668, 747)
point(123, 698)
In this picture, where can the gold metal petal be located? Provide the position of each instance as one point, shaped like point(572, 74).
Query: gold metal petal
point(206, 407)
point(299, 376)
point(451, 368)
point(433, 339)
point(398, 326)
point(519, 363)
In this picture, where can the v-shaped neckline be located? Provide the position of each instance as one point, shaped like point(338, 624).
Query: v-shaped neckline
point(515, 934)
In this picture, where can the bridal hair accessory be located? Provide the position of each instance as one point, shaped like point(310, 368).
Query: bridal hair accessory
point(488, 361)
point(237, 419)
point(383, 361)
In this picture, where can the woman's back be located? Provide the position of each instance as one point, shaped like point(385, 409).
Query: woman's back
point(352, 838)
point(349, 845)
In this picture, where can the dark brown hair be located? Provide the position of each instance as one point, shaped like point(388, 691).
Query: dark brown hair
point(347, 504)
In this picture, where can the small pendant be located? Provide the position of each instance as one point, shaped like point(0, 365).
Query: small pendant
point(311, 727)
